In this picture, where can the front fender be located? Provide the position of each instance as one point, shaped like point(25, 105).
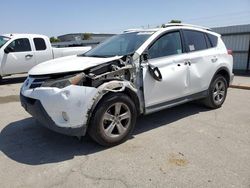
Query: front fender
point(112, 86)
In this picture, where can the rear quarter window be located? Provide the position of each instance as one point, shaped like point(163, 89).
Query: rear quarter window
point(39, 44)
point(195, 40)
point(213, 39)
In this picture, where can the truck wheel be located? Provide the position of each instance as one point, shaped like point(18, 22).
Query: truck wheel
point(217, 92)
point(113, 120)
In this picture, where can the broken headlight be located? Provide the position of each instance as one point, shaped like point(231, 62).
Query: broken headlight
point(65, 81)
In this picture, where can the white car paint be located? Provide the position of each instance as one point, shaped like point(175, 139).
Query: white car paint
point(22, 62)
point(64, 64)
point(71, 99)
point(177, 81)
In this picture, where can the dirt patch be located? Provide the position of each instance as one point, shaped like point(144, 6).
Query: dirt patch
point(178, 160)
point(10, 98)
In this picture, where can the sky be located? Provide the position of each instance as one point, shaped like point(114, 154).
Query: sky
point(58, 17)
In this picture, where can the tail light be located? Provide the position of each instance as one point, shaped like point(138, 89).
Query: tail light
point(230, 52)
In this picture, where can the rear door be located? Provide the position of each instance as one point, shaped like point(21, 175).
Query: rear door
point(201, 60)
point(21, 57)
point(43, 51)
point(166, 53)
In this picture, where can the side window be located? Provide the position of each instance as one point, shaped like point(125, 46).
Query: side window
point(39, 44)
point(20, 45)
point(168, 44)
point(213, 39)
point(195, 40)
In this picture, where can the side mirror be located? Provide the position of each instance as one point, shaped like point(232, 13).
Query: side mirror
point(155, 72)
point(145, 56)
point(8, 49)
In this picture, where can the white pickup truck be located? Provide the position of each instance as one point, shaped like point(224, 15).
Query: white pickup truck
point(20, 52)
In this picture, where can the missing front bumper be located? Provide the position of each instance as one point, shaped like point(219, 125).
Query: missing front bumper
point(36, 109)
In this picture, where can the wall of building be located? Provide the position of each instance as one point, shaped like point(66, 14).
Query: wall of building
point(237, 38)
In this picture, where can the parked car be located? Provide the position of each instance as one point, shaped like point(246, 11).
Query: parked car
point(137, 72)
point(20, 52)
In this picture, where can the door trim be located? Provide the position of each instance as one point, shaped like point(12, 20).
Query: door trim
point(175, 102)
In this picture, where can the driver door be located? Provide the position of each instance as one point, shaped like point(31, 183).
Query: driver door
point(20, 57)
point(166, 53)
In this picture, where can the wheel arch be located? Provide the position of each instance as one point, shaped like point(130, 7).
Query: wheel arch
point(114, 87)
point(224, 71)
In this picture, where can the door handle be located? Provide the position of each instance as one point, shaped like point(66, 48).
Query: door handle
point(187, 63)
point(29, 56)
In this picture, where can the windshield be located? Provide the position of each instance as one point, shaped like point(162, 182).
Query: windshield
point(3, 40)
point(120, 45)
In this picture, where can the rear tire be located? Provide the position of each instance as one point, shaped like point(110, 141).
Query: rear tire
point(113, 120)
point(217, 92)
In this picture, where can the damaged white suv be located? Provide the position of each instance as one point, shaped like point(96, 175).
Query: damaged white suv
point(138, 72)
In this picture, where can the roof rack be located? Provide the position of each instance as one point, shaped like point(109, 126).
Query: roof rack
point(140, 29)
point(183, 24)
point(167, 25)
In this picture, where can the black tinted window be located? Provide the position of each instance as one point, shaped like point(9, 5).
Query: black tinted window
point(195, 40)
point(166, 45)
point(39, 44)
point(20, 45)
point(213, 40)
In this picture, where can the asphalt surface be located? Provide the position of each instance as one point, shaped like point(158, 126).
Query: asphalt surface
point(186, 146)
point(241, 82)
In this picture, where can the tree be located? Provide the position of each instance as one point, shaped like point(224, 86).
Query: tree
point(172, 21)
point(86, 36)
point(175, 21)
point(163, 25)
point(53, 39)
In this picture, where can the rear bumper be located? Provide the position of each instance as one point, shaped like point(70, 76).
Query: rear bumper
point(36, 109)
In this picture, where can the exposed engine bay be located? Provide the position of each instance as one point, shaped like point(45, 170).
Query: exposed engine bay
point(120, 69)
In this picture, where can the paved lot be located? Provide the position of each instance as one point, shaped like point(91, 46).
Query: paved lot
point(186, 146)
point(241, 82)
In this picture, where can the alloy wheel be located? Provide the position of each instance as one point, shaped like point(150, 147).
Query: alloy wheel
point(116, 120)
point(219, 92)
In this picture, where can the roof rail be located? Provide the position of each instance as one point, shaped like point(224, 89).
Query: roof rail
point(140, 29)
point(183, 24)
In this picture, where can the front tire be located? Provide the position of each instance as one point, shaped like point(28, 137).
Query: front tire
point(113, 120)
point(217, 92)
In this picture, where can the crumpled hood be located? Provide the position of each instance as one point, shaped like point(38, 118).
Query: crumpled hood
point(69, 64)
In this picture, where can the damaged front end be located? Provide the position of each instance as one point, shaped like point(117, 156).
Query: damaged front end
point(67, 100)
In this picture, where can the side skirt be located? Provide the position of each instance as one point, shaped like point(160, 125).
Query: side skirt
point(175, 102)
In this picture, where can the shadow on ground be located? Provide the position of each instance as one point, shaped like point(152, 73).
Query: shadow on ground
point(11, 80)
point(27, 142)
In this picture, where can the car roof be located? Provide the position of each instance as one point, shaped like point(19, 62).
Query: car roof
point(14, 35)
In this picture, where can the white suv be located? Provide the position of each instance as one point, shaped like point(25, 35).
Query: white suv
point(138, 72)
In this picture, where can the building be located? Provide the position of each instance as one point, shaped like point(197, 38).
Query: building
point(75, 43)
point(76, 39)
point(79, 36)
point(237, 38)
